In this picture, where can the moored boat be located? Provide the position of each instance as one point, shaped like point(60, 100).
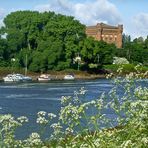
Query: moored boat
point(69, 77)
point(44, 77)
point(16, 78)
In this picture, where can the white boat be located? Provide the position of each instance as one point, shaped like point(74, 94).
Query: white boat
point(16, 78)
point(44, 77)
point(23, 77)
point(69, 77)
point(9, 78)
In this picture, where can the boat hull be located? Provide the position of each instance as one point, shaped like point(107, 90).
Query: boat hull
point(16, 78)
point(69, 77)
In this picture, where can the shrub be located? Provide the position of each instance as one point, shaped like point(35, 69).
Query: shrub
point(120, 61)
point(126, 68)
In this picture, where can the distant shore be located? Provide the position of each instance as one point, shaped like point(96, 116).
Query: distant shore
point(60, 75)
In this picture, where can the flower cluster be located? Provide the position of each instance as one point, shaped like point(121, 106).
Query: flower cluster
point(51, 116)
point(70, 115)
point(141, 93)
point(41, 118)
point(22, 119)
point(120, 61)
point(33, 141)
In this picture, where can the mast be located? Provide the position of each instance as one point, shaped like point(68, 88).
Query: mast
point(26, 65)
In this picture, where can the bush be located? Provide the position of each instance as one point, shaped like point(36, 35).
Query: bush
point(126, 68)
point(120, 61)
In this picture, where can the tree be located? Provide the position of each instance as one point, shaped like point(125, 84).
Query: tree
point(50, 33)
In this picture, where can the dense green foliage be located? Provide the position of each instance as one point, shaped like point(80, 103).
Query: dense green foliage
point(49, 39)
point(127, 68)
point(52, 42)
point(135, 51)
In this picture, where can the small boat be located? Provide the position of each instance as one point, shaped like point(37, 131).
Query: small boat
point(23, 77)
point(9, 78)
point(16, 78)
point(44, 77)
point(69, 77)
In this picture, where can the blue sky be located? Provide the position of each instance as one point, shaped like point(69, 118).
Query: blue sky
point(133, 14)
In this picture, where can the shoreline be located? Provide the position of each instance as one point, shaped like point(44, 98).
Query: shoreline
point(61, 76)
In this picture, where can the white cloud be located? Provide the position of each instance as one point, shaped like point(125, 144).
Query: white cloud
point(58, 6)
point(42, 8)
point(2, 15)
point(97, 11)
point(141, 22)
point(87, 12)
point(138, 26)
point(1, 23)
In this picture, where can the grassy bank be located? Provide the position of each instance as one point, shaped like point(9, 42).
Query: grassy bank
point(126, 68)
point(54, 74)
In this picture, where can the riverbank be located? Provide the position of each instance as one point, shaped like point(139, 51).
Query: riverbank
point(59, 75)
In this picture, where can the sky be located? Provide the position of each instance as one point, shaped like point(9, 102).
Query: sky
point(133, 14)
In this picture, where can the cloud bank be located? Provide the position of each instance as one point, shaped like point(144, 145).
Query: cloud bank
point(90, 12)
point(87, 12)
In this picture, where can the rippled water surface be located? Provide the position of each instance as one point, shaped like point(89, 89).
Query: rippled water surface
point(28, 98)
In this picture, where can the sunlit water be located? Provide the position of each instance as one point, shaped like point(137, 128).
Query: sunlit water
point(26, 99)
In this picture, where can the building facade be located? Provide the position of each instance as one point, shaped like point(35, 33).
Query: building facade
point(107, 33)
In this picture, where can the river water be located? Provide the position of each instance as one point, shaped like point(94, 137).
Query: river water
point(26, 99)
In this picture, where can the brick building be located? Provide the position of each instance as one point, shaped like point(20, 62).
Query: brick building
point(107, 33)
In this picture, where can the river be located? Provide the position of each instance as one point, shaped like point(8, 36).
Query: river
point(26, 99)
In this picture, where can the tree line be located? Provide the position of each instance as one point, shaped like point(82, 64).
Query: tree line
point(53, 41)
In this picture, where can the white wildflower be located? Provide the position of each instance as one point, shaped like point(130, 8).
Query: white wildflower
point(119, 61)
point(42, 120)
point(65, 99)
point(34, 140)
point(56, 126)
point(126, 144)
point(144, 140)
point(22, 119)
point(119, 70)
point(82, 91)
point(84, 145)
point(141, 93)
point(93, 102)
point(51, 115)
point(97, 142)
point(41, 113)
point(108, 76)
point(68, 131)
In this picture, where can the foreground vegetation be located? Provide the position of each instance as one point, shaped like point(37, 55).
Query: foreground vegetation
point(77, 127)
point(126, 68)
point(48, 41)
